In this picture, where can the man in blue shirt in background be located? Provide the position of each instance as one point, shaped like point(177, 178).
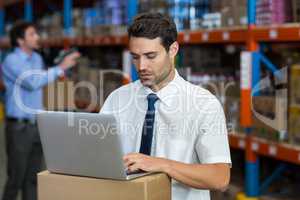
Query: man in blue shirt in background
point(24, 78)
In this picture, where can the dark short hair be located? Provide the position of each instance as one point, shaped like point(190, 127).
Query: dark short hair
point(153, 25)
point(18, 32)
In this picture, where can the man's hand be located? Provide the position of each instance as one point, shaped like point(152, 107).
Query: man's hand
point(201, 176)
point(137, 161)
point(69, 61)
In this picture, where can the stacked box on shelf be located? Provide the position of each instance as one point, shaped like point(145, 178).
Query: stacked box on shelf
point(198, 10)
point(179, 10)
point(188, 14)
point(89, 20)
point(78, 25)
point(294, 94)
point(94, 80)
point(232, 114)
point(234, 13)
point(201, 58)
point(225, 88)
point(263, 109)
point(160, 6)
point(216, 6)
point(273, 11)
point(112, 14)
point(93, 75)
point(212, 20)
point(296, 10)
point(87, 82)
point(294, 107)
point(82, 93)
point(55, 28)
point(106, 18)
point(112, 80)
point(51, 25)
point(59, 95)
point(270, 108)
point(294, 124)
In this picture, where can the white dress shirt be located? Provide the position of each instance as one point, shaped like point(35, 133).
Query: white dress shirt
point(189, 126)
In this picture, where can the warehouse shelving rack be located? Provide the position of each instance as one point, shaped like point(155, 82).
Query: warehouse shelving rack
point(280, 33)
point(251, 36)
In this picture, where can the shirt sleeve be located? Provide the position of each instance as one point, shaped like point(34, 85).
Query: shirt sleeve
point(212, 144)
point(28, 78)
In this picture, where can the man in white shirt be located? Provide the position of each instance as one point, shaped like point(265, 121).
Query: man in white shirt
point(167, 124)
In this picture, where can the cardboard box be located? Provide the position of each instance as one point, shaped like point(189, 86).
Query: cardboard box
point(94, 77)
point(62, 187)
point(234, 16)
point(233, 3)
point(296, 10)
point(270, 116)
point(273, 12)
point(232, 113)
point(83, 68)
point(294, 125)
point(228, 19)
point(265, 107)
point(59, 95)
point(294, 86)
point(241, 18)
point(216, 5)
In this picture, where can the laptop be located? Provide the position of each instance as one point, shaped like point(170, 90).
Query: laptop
point(83, 144)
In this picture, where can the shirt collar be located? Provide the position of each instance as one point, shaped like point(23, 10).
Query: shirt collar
point(23, 55)
point(166, 94)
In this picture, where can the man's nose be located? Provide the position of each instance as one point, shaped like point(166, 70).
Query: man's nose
point(142, 64)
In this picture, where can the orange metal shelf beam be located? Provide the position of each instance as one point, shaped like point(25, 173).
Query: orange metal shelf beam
point(196, 37)
point(284, 33)
point(99, 41)
point(237, 141)
point(10, 2)
point(279, 151)
point(53, 42)
point(213, 36)
point(284, 152)
point(77, 41)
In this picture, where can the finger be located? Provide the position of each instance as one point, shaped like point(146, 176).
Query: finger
point(129, 163)
point(126, 157)
point(131, 160)
point(133, 168)
point(129, 156)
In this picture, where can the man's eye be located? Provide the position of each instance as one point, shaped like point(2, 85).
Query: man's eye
point(151, 57)
point(135, 57)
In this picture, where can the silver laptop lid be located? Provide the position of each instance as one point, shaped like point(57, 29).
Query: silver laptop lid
point(84, 144)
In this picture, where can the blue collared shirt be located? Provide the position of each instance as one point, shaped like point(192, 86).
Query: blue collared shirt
point(24, 77)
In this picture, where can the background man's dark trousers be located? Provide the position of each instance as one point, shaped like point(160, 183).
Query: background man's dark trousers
point(24, 159)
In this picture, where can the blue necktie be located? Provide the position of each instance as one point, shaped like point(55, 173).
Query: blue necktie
point(147, 133)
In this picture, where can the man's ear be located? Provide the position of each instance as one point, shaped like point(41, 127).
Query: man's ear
point(173, 50)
